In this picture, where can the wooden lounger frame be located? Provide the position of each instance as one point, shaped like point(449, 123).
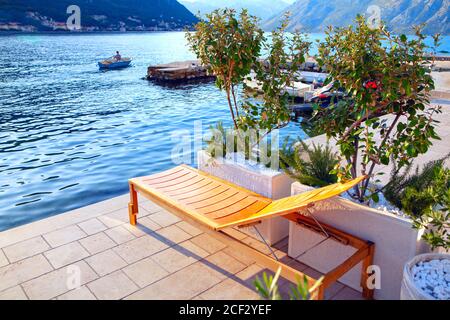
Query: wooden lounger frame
point(365, 249)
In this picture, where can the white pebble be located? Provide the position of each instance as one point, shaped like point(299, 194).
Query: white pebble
point(433, 277)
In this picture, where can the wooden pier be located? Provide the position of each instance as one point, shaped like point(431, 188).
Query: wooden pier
point(179, 71)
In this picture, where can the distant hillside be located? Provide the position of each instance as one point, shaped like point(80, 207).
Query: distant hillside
point(260, 8)
point(97, 15)
point(400, 15)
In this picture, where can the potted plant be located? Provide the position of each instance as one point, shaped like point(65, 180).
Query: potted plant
point(232, 47)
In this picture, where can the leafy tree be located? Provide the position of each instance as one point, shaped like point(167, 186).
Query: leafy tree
point(285, 53)
point(229, 46)
point(381, 74)
point(233, 46)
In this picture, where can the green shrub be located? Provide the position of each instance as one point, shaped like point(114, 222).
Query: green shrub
point(219, 144)
point(310, 165)
point(217, 141)
point(406, 190)
point(425, 197)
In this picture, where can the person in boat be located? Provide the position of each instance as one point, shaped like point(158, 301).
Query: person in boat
point(118, 57)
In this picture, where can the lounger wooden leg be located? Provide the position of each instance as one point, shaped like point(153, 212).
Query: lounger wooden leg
point(133, 208)
point(368, 261)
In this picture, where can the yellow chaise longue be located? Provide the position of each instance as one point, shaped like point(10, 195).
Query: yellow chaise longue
point(213, 205)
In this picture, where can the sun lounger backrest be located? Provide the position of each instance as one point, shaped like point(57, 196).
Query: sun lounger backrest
point(293, 204)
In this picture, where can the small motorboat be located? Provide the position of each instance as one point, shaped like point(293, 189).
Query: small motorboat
point(112, 63)
point(296, 89)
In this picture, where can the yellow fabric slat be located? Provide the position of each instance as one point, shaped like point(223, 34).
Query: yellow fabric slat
point(294, 203)
point(302, 200)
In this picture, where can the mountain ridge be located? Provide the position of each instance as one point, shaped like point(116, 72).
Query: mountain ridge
point(261, 8)
point(98, 15)
point(399, 15)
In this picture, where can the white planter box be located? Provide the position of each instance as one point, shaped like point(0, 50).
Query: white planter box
point(396, 242)
point(266, 182)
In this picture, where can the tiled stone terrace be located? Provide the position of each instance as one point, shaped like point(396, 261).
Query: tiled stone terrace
point(161, 258)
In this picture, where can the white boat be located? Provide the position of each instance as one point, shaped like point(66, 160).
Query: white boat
point(311, 77)
point(297, 89)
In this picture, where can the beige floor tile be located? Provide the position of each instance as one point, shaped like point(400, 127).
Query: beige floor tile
point(230, 290)
point(258, 245)
point(193, 231)
point(149, 206)
point(97, 243)
point(106, 262)
point(184, 284)
point(3, 260)
point(177, 257)
point(298, 265)
point(331, 291)
point(147, 225)
point(137, 230)
point(110, 222)
point(120, 234)
point(224, 264)
point(140, 248)
point(172, 235)
point(50, 224)
point(57, 282)
point(23, 270)
point(25, 249)
point(113, 286)
point(66, 254)
point(82, 293)
point(121, 215)
point(14, 293)
point(312, 273)
point(145, 272)
point(65, 235)
point(164, 218)
point(239, 255)
point(92, 226)
point(262, 247)
point(348, 294)
point(208, 243)
point(249, 274)
point(280, 245)
point(235, 233)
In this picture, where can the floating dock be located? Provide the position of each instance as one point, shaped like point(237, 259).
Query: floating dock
point(179, 71)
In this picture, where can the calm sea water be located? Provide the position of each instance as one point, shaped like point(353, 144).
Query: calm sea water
point(71, 135)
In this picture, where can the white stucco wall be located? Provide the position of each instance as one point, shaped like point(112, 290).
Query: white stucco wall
point(266, 182)
point(396, 242)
